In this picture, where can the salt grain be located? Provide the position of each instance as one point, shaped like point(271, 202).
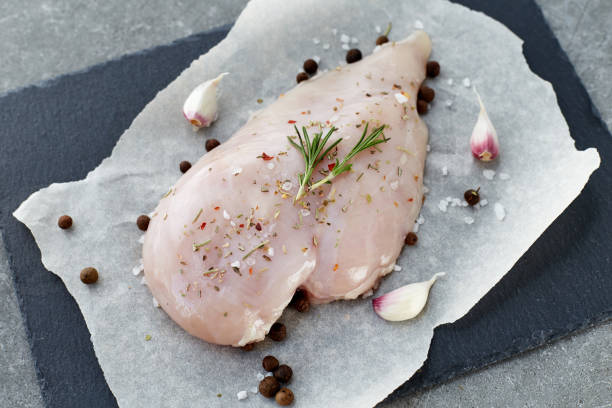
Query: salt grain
point(317, 59)
point(421, 220)
point(270, 166)
point(141, 239)
point(143, 281)
point(344, 38)
point(428, 148)
point(155, 303)
point(378, 29)
point(449, 81)
point(316, 41)
point(235, 264)
point(425, 189)
point(443, 205)
point(345, 47)
point(354, 40)
point(500, 212)
point(448, 103)
point(137, 269)
point(326, 46)
point(305, 212)
point(287, 186)
point(397, 268)
point(415, 228)
point(466, 82)
point(236, 171)
point(334, 31)
point(226, 215)
point(400, 98)
point(260, 376)
point(504, 176)
point(468, 220)
point(488, 174)
point(242, 395)
point(445, 171)
point(483, 202)
point(394, 185)
point(376, 49)
point(254, 390)
point(270, 251)
point(418, 25)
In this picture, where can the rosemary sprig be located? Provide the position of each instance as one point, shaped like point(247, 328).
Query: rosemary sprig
point(313, 153)
point(365, 142)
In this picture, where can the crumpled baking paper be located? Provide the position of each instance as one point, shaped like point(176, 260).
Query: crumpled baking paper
point(342, 354)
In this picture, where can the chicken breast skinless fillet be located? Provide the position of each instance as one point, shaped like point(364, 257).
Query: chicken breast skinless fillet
point(227, 247)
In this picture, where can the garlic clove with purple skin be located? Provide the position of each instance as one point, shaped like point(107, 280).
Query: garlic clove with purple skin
point(404, 303)
point(484, 142)
point(200, 107)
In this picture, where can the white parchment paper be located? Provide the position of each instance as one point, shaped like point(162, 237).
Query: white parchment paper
point(342, 354)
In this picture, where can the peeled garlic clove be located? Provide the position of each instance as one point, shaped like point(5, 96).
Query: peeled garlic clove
point(404, 303)
point(484, 142)
point(200, 107)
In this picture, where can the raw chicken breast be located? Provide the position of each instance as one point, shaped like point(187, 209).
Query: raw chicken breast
point(227, 247)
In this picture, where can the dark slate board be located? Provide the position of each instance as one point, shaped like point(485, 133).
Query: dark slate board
point(563, 283)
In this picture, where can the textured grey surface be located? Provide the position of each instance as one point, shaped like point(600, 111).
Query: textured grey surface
point(18, 385)
point(49, 38)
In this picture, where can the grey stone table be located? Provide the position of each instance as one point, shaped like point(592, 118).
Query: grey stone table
point(50, 38)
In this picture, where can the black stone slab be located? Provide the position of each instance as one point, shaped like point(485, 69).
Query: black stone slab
point(563, 283)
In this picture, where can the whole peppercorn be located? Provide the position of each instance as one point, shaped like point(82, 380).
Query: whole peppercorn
point(411, 238)
point(269, 363)
point(284, 396)
point(302, 76)
point(426, 93)
point(184, 166)
point(248, 347)
point(268, 387)
point(353, 55)
point(64, 222)
point(300, 301)
point(422, 107)
point(89, 275)
point(310, 66)
point(472, 196)
point(143, 222)
point(382, 39)
point(211, 144)
point(283, 373)
point(278, 332)
point(433, 69)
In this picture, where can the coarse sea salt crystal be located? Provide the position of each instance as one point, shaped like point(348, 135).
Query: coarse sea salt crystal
point(415, 228)
point(344, 38)
point(141, 239)
point(376, 49)
point(483, 202)
point(316, 41)
point(270, 166)
point(287, 186)
point(250, 261)
point(260, 376)
point(235, 264)
point(378, 29)
point(428, 148)
point(305, 212)
point(468, 220)
point(443, 205)
point(445, 171)
point(448, 103)
point(242, 395)
point(236, 171)
point(397, 268)
point(425, 189)
point(421, 220)
point(155, 303)
point(400, 98)
point(449, 81)
point(326, 46)
point(488, 174)
point(143, 281)
point(254, 390)
point(418, 24)
point(500, 212)
point(467, 82)
point(270, 251)
point(226, 215)
point(317, 59)
point(345, 47)
point(137, 269)
point(354, 40)
point(394, 185)
point(504, 176)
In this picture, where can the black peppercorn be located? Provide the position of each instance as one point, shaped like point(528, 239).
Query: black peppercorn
point(278, 332)
point(382, 39)
point(268, 387)
point(300, 301)
point(64, 222)
point(411, 239)
point(310, 66)
point(283, 373)
point(284, 397)
point(89, 275)
point(353, 55)
point(433, 69)
point(426, 93)
point(472, 196)
point(143, 222)
point(302, 76)
point(184, 166)
point(211, 144)
point(248, 347)
point(269, 363)
point(422, 107)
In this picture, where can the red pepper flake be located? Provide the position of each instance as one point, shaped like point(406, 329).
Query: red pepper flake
point(241, 225)
point(266, 157)
point(217, 208)
point(331, 166)
point(335, 267)
point(395, 204)
point(250, 271)
point(291, 122)
point(410, 199)
point(416, 178)
point(203, 226)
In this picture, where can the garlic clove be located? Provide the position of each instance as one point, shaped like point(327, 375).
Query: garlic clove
point(404, 303)
point(484, 142)
point(200, 107)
